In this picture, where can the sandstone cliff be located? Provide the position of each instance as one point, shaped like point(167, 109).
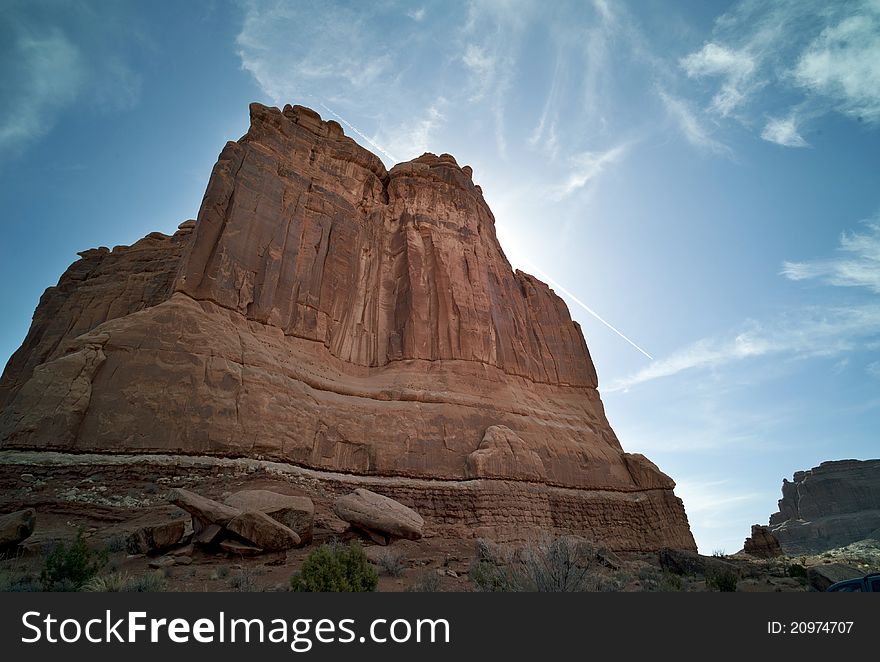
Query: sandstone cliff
point(326, 312)
point(832, 505)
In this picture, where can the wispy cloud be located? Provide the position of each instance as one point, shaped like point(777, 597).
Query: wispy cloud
point(803, 333)
point(784, 131)
point(417, 14)
point(415, 136)
point(807, 333)
point(690, 126)
point(857, 263)
point(586, 167)
point(370, 141)
point(873, 369)
point(735, 67)
point(808, 53)
point(51, 74)
point(843, 63)
point(55, 57)
point(337, 46)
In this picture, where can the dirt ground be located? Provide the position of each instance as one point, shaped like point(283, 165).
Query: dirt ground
point(108, 503)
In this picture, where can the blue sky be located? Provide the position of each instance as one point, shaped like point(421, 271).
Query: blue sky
point(705, 176)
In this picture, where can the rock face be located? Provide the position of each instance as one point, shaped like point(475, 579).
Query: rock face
point(832, 505)
point(329, 313)
point(762, 543)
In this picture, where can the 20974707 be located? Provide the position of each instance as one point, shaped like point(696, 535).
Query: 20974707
point(810, 627)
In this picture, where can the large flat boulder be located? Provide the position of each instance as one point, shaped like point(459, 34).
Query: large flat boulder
point(375, 513)
point(207, 511)
point(17, 527)
point(294, 512)
point(263, 531)
point(823, 576)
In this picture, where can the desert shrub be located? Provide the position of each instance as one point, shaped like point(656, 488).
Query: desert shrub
point(336, 568)
point(561, 565)
point(660, 581)
point(113, 583)
point(18, 581)
point(613, 583)
point(551, 565)
point(724, 581)
point(220, 572)
point(151, 582)
point(392, 564)
point(427, 582)
point(244, 581)
point(68, 567)
point(718, 553)
point(488, 577)
point(118, 542)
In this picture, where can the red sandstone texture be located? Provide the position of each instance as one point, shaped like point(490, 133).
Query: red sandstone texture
point(328, 313)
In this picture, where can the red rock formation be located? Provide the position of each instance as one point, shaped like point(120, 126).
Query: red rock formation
point(335, 315)
point(762, 543)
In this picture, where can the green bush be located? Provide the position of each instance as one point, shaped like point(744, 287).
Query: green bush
point(336, 569)
point(724, 581)
point(68, 567)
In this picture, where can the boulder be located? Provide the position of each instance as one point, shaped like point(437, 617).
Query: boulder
point(685, 562)
point(206, 511)
point(156, 537)
point(294, 512)
point(762, 544)
point(822, 576)
point(17, 527)
point(375, 513)
point(239, 548)
point(263, 531)
point(209, 535)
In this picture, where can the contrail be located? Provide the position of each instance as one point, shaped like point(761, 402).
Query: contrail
point(353, 128)
point(584, 306)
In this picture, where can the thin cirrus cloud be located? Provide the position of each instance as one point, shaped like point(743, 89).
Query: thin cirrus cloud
point(49, 66)
point(816, 331)
point(690, 125)
point(807, 333)
point(857, 263)
point(843, 64)
point(586, 167)
point(735, 67)
point(51, 74)
point(825, 55)
point(784, 131)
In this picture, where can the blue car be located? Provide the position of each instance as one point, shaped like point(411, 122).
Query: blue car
point(867, 584)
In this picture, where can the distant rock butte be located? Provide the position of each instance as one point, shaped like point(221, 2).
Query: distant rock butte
point(326, 312)
point(829, 506)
